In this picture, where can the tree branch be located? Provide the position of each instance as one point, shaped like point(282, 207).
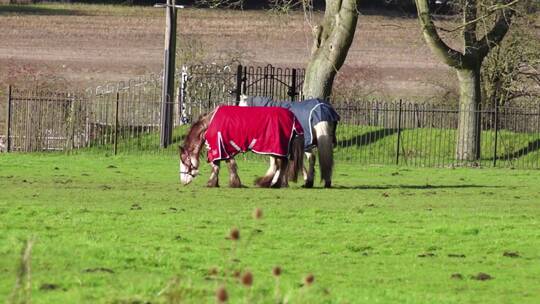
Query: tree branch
point(497, 33)
point(450, 56)
point(492, 10)
point(469, 29)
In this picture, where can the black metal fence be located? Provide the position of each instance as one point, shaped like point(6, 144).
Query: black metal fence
point(125, 118)
point(41, 122)
point(425, 134)
point(203, 87)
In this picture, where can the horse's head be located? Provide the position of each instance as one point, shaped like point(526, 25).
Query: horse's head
point(189, 153)
point(189, 166)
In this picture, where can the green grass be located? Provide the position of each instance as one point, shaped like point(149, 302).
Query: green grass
point(383, 235)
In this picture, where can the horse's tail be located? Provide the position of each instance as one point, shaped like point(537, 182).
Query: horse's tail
point(296, 157)
point(325, 145)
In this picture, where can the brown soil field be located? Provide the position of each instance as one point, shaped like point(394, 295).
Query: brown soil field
point(89, 45)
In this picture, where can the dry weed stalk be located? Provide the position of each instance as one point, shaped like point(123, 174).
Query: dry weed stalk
point(231, 276)
point(221, 295)
point(247, 281)
point(22, 292)
point(276, 272)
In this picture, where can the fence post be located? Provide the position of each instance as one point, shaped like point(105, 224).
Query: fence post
point(28, 124)
point(496, 135)
point(398, 133)
point(8, 121)
point(292, 89)
point(116, 123)
point(538, 129)
point(238, 89)
point(478, 133)
point(70, 145)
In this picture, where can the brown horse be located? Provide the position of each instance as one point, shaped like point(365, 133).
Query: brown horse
point(286, 166)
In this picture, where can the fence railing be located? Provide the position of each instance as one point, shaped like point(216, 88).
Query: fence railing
point(426, 134)
point(203, 87)
point(125, 118)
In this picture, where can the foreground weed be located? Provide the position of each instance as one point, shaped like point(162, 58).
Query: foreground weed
point(22, 290)
point(234, 279)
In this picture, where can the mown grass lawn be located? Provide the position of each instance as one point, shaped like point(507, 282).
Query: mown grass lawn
point(117, 229)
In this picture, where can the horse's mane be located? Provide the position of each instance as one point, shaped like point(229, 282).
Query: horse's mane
point(195, 136)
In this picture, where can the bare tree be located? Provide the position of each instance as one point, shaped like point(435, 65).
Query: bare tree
point(511, 72)
point(477, 42)
point(332, 38)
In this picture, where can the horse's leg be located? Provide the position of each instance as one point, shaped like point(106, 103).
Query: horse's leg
point(280, 177)
point(272, 168)
point(310, 176)
point(214, 176)
point(234, 179)
point(325, 146)
point(266, 180)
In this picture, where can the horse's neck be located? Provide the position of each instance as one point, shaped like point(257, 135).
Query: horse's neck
point(195, 138)
point(197, 141)
point(198, 147)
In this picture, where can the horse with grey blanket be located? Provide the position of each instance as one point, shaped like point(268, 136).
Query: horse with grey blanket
point(319, 121)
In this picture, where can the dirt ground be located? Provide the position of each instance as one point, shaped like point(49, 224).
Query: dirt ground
point(86, 46)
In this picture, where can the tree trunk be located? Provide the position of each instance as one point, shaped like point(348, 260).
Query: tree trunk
point(467, 64)
point(468, 139)
point(332, 39)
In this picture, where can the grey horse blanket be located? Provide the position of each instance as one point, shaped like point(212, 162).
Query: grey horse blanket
point(309, 112)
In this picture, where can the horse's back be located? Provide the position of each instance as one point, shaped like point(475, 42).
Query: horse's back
point(264, 130)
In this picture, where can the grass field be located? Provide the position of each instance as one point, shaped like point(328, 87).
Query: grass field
point(117, 229)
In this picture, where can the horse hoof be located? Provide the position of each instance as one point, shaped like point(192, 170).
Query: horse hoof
point(235, 185)
point(328, 184)
point(264, 182)
point(212, 185)
point(308, 184)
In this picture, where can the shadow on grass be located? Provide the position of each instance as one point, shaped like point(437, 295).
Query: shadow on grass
point(417, 187)
point(367, 138)
point(531, 147)
point(14, 9)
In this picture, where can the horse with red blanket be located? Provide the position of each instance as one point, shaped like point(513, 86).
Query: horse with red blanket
point(230, 130)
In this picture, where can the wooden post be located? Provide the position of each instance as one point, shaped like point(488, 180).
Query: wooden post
point(115, 149)
point(28, 124)
point(8, 121)
point(167, 95)
point(71, 136)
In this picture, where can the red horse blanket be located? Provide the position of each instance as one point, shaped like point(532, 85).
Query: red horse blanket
point(263, 130)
